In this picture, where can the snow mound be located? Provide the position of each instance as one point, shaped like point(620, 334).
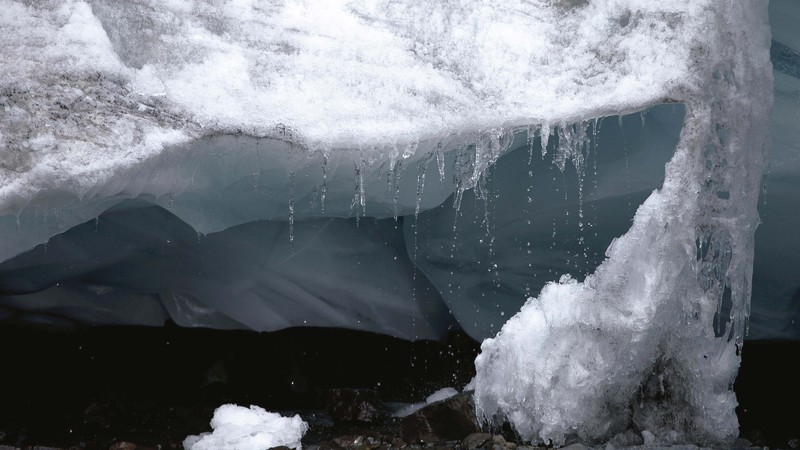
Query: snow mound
point(239, 428)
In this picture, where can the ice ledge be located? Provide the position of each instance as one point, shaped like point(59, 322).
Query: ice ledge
point(90, 88)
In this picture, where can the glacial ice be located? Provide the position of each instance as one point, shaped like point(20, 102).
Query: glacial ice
point(260, 165)
point(631, 347)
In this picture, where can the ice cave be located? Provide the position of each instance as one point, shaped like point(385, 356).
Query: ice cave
point(601, 193)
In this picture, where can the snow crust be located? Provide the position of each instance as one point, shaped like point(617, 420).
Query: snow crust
point(239, 428)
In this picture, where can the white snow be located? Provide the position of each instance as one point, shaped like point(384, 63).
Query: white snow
point(239, 428)
point(129, 91)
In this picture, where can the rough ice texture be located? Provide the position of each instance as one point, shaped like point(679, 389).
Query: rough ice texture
point(633, 346)
point(104, 101)
point(239, 428)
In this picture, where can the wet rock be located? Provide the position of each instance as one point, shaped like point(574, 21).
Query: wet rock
point(349, 441)
point(449, 419)
point(475, 440)
point(346, 405)
point(575, 447)
point(123, 446)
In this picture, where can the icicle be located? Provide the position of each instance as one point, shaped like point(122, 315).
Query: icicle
point(440, 162)
point(463, 167)
point(532, 130)
point(324, 190)
point(359, 203)
point(420, 186)
point(396, 174)
point(544, 137)
point(362, 197)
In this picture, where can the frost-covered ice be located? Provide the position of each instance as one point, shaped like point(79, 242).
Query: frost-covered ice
point(239, 428)
point(633, 346)
point(258, 118)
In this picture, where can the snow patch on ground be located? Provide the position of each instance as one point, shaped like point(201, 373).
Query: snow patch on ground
point(239, 428)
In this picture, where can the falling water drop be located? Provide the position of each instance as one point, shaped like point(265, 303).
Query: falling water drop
point(324, 189)
point(291, 211)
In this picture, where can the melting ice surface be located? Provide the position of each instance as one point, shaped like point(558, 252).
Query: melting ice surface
point(246, 162)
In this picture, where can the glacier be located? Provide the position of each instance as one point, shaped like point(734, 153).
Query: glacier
point(408, 168)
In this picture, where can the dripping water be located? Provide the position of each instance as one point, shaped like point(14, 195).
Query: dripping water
point(440, 162)
point(291, 212)
point(396, 177)
point(358, 205)
point(324, 189)
point(627, 163)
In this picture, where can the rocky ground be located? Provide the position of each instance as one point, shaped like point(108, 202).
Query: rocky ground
point(140, 388)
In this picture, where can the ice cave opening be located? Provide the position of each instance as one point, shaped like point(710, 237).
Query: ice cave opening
point(572, 184)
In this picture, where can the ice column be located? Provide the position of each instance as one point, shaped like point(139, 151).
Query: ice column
point(646, 349)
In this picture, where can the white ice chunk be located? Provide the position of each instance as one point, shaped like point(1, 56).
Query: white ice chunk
point(239, 428)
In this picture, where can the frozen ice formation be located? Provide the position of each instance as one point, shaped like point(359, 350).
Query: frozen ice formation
point(228, 114)
point(239, 428)
point(630, 348)
point(261, 164)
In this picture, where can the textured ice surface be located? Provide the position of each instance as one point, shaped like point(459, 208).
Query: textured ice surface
point(105, 101)
point(239, 428)
point(632, 346)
